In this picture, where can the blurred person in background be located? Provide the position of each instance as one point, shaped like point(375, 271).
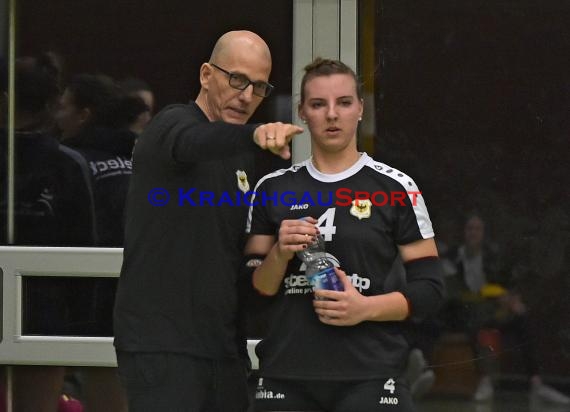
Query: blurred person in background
point(139, 89)
point(93, 118)
point(485, 303)
point(53, 206)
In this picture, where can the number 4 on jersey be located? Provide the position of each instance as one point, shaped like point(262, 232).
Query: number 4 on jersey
point(326, 224)
point(390, 386)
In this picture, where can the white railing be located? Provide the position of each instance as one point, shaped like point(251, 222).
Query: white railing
point(19, 349)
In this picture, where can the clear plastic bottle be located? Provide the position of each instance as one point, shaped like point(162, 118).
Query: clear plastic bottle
point(319, 270)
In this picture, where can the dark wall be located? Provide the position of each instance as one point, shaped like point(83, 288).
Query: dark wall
point(474, 102)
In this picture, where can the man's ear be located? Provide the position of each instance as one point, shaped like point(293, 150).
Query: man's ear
point(205, 75)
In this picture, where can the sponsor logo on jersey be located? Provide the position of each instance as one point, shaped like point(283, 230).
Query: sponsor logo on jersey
point(294, 281)
point(242, 182)
point(111, 167)
point(300, 207)
point(297, 284)
point(262, 393)
point(358, 282)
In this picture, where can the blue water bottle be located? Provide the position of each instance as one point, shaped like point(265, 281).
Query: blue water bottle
point(319, 270)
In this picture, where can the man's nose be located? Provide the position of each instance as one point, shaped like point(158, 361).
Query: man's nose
point(247, 94)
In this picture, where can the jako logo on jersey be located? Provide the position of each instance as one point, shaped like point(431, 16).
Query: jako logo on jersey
point(300, 207)
point(388, 400)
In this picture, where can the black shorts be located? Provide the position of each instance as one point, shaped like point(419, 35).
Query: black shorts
point(159, 382)
point(328, 396)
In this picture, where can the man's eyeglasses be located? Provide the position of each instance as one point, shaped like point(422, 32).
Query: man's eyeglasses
point(241, 82)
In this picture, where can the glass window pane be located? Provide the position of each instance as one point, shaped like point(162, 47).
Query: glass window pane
point(67, 306)
point(75, 195)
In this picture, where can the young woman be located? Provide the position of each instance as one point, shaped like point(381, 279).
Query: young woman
point(326, 350)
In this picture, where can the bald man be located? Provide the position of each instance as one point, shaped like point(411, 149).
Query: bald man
point(175, 317)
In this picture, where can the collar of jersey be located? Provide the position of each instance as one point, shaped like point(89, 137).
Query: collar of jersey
point(336, 177)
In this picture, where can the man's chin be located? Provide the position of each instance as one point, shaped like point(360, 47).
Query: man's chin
point(235, 117)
